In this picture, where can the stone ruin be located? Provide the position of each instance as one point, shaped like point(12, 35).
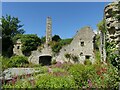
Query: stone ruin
point(17, 50)
point(44, 56)
point(82, 46)
point(111, 11)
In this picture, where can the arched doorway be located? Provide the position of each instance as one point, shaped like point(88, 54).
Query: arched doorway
point(45, 60)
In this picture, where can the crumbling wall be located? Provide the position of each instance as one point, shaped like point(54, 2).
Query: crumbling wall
point(81, 46)
point(112, 18)
point(17, 50)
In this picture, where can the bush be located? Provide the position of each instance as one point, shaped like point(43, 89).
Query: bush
point(95, 76)
point(87, 62)
point(82, 74)
point(17, 61)
point(4, 61)
point(53, 61)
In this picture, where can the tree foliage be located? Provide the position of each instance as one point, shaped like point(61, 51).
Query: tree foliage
point(101, 26)
point(43, 39)
point(56, 38)
point(10, 27)
point(56, 46)
point(29, 42)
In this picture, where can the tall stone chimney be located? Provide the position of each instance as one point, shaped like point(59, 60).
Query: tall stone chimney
point(48, 30)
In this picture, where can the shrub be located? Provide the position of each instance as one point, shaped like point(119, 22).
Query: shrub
point(17, 61)
point(57, 70)
point(53, 61)
point(42, 69)
point(87, 62)
point(81, 74)
point(95, 76)
point(4, 61)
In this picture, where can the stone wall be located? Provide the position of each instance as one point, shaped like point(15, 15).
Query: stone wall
point(35, 55)
point(17, 50)
point(111, 12)
point(81, 46)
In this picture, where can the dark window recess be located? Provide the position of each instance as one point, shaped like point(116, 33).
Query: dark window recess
point(87, 57)
point(82, 43)
point(18, 47)
point(81, 54)
point(45, 60)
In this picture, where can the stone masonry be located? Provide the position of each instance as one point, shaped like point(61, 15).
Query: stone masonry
point(81, 46)
point(113, 23)
point(17, 48)
point(46, 51)
point(48, 30)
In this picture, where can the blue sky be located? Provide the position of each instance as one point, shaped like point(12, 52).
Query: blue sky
point(67, 17)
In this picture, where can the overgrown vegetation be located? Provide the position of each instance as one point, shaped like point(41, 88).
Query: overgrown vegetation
point(73, 76)
point(113, 58)
point(58, 44)
point(14, 61)
point(66, 75)
point(30, 42)
point(72, 57)
point(18, 61)
point(10, 28)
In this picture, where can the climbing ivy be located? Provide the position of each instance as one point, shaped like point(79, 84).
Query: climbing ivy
point(112, 57)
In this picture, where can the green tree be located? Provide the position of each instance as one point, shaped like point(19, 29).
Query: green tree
point(29, 42)
point(101, 26)
point(66, 41)
point(43, 39)
point(56, 46)
point(10, 27)
point(56, 38)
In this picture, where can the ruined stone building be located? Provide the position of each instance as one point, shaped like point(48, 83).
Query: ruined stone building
point(81, 46)
point(17, 48)
point(45, 55)
point(111, 12)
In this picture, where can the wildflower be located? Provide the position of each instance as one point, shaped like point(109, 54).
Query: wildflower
point(103, 70)
point(13, 81)
point(98, 73)
point(89, 83)
point(49, 70)
point(58, 64)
